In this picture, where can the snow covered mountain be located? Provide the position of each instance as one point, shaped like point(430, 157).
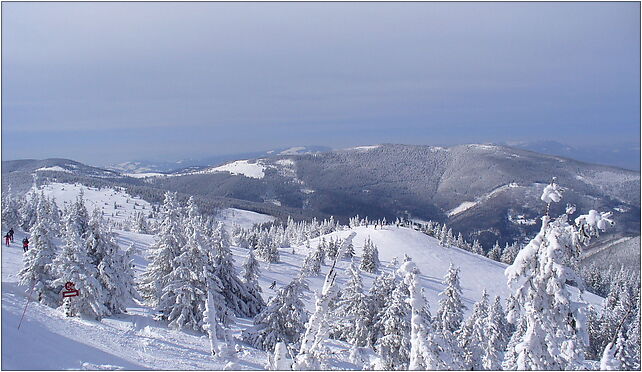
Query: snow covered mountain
point(487, 192)
point(20, 175)
point(55, 165)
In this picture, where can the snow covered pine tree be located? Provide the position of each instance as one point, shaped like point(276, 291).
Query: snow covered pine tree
point(282, 320)
point(38, 272)
point(310, 355)
point(556, 335)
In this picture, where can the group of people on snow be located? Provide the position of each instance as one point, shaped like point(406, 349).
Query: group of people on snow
point(8, 239)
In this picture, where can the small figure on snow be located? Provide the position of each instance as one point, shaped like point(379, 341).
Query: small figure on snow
point(11, 234)
point(7, 239)
point(25, 244)
point(273, 285)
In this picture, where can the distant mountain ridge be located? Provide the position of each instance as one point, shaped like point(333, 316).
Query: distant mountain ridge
point(623, 155)
point(147, 166)
point(487, 192)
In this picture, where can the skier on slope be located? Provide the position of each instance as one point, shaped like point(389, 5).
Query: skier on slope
point(25, 244)
point(7, 239)
point(11, 234)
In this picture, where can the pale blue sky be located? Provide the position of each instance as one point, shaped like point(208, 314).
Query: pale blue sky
point(108, 82)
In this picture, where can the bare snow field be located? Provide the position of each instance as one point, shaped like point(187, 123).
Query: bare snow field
point(117, 205)
point(242, 218)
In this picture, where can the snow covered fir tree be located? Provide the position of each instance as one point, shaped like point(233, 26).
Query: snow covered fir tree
point(315, 294)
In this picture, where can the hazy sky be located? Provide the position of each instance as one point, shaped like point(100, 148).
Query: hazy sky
point(108, 82)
